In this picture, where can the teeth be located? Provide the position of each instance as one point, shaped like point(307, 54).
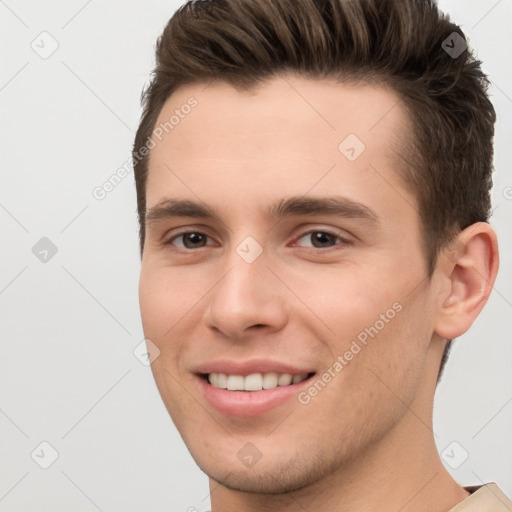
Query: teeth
point(285, 379)
point(299, 378)
point(222, 380)
point(270, 381)
point(236, 383)
point(254, 381)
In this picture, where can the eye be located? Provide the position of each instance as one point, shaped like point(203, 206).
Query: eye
point(323, 239)
point(189, 240)
point(320, 239)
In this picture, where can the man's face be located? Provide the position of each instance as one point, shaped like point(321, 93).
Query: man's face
point(339, 293)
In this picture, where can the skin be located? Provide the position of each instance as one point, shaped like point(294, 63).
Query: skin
point(365, 441)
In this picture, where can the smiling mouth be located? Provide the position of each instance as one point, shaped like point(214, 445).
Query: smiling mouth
point(254, 381)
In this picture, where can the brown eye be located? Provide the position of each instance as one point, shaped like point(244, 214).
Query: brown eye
point(322, 239)
point(189, 240)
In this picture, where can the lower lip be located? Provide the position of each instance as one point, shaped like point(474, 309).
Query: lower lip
point(247, 404)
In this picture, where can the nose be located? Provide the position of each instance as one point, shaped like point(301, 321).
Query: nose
point(249, 298)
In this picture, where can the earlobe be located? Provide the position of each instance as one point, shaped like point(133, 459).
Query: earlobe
point(468, 270)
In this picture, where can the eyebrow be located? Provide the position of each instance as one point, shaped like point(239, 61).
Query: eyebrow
point(296, 205)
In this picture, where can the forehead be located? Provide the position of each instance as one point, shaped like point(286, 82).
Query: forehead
point(286, 134)
point(322, 112)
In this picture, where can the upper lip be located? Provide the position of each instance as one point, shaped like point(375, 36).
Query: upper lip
point(244, 368)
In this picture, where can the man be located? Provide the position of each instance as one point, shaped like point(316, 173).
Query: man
point(313, 183)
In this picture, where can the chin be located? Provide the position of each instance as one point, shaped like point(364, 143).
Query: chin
point(261, 482)
point(268, 477)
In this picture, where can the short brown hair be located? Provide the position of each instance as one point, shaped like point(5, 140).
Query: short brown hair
point(408, 45)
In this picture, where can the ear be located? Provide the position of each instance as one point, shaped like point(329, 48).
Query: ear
point(466, 271)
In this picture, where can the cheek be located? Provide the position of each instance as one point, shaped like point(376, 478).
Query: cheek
point(166, 298)
point(351, 303)
point(378, 327)
point(163, 311)
point(152, 301)
point(391, 361)
point(159, 314)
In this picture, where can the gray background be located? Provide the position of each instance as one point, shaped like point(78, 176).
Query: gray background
point(69, 325)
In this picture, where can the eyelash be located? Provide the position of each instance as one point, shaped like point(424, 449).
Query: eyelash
point(343, 241)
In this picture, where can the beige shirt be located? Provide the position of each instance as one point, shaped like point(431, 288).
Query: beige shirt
point(484, 498)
